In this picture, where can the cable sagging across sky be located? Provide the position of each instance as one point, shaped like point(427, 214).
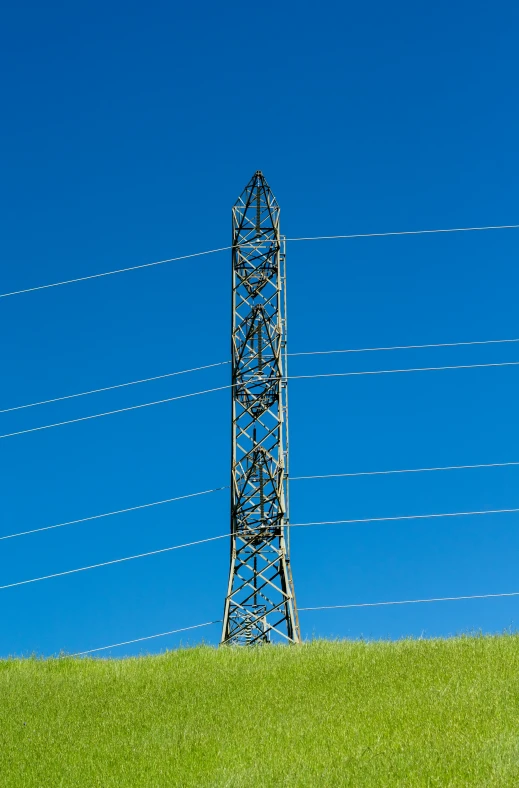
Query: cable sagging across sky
point(224, 363)
point(410, 601)
point(116, 271)
point(291, 525)
point(114, 561)
point(113, 412)
point(402, 347)
point(229, 386)
point(140, 640)
point(111, 514)
point(116, 386)
point(228, 248)
point(405, 470)
point(401, 517)
point(305, 610)
point(226, 487)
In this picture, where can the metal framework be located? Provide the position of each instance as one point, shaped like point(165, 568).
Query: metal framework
point(260, 604)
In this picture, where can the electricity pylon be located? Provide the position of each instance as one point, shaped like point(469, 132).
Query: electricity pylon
point(260, 604)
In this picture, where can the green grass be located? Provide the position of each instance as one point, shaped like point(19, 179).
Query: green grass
point(411, 713)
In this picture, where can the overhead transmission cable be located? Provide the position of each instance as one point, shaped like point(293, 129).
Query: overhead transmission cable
point(404, 470)
point(226, 487)
point(394, 371)
point(228, 248)
point(116, 271)
point(112, 412)
point(111, 514)
point(406, 232)
point(116, 386)
point(231, 385)
point(401, 347)
point(114, 561)
point(307, 609)
point(409, 601)
point(225, 536)
point(402, 517)
point(223, 363)
point(140, 640)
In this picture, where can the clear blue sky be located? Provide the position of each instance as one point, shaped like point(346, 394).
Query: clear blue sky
point(128, 131)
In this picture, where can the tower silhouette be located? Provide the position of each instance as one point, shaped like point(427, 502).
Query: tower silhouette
point(260, 604)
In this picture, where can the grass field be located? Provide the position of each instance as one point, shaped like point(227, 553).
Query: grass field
point(411, 713)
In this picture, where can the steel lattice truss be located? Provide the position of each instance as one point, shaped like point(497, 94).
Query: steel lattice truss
point(260, 604)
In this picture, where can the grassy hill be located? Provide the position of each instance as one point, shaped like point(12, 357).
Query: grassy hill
point(412, 713)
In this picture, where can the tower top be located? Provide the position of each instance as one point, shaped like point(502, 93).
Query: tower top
point(256, 190)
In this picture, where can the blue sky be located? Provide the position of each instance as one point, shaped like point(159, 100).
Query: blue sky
point(128, 133)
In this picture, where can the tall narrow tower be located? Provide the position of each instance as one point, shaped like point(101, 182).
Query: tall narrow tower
point(260, 605)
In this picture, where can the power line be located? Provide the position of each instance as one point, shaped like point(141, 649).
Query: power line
point(117, 386)
point(223, 363)
point(229, 386)
point(401, 347)
point(140, 640)
point(228, 248)
point(307, 609)
point(406, 470)
point(111, 514)
point(226, 487)
point(115, 561)
point(393, 371)
point(403, 517)
point(410, 601)
point(112, 412)
point(407, 232)
point(224, 536)
point(117, 271)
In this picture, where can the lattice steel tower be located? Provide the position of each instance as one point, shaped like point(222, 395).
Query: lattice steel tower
point(260, 605)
